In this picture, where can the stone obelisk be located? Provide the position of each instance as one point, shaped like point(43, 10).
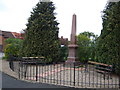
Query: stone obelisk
point(72, 47)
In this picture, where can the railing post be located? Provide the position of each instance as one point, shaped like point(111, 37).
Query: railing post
point(74, 73)
point(19, 71)
point(119, 81)
point(36, 71)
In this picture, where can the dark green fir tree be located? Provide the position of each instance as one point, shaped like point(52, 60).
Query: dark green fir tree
point(108, 45)
point(41, 34)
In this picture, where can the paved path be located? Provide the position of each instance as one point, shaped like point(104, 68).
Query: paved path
point(10, 82)
point(1, 55)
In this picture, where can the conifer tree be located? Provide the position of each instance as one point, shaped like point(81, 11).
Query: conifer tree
point(108, 44)
point(41, 34)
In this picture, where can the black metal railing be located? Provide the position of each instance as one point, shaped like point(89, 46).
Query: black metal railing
point(61, 73)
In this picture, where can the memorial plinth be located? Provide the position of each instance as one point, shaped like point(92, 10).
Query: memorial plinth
point(72, 47)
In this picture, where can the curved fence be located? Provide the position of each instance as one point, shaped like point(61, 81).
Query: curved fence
point(86, 75)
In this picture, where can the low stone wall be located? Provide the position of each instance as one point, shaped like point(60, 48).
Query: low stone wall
point(6, 69)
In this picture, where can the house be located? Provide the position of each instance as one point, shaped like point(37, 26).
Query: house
point(63, 41)
point(5, 35)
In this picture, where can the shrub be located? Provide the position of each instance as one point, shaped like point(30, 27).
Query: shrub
point(13, 47)
point(63, 53)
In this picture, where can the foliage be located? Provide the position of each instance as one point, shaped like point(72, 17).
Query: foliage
point(41, 34)
point(108, 45)
point(86, 43)
point(88, 34)
point(63, 53)
point(83, 43)
point(13, 47)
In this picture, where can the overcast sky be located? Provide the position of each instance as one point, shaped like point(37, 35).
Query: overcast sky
point(14, 15)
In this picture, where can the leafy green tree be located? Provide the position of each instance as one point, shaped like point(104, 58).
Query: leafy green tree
point(41, 35)
point(89, 34)
point(87, 46)
point(108, 45)
point(13, 47)
point(83, 43)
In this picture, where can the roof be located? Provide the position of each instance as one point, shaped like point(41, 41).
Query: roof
point(7, 34)
point(17, 35)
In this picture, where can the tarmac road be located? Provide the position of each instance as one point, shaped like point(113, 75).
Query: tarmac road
point(10, 82)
